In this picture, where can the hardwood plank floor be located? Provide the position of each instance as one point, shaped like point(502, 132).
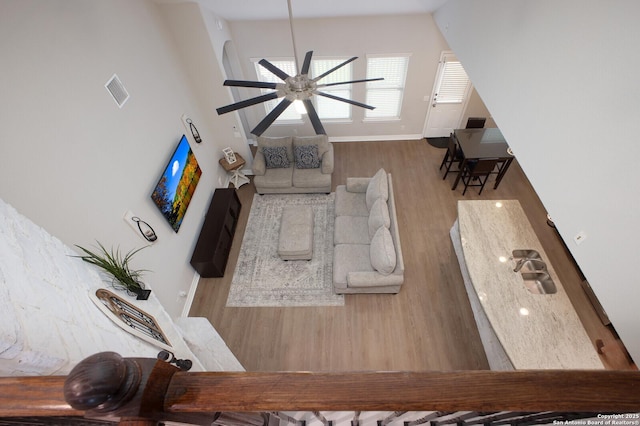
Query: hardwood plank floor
point(429, 324)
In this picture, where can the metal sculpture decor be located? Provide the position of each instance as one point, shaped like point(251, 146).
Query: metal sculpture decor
point(300, 87)
point(194, 131)
point(130, 318)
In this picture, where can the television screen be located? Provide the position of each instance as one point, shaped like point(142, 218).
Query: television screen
point(177, 184)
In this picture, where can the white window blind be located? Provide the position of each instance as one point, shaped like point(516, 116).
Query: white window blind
point(326, 108)
point(386, 95)
point(453, 83)
point(330, 108)
point(287, 66)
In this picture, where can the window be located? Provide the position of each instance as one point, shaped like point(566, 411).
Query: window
point(326, 108)
point(386, 95)
point(453, 83)
point(287, 66)
point(330, 108)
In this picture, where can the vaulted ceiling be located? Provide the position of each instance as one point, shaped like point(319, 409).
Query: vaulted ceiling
point(277, 9)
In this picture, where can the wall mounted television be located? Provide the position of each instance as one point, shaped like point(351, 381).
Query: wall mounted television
point(172, 194)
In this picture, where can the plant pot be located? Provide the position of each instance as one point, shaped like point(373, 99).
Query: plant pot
point(142, 294)
point(140, 291)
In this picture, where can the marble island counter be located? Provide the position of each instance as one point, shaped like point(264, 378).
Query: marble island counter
point(519, 329)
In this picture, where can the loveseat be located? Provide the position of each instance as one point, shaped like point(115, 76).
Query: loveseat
point(293, 165)
point(367, 255)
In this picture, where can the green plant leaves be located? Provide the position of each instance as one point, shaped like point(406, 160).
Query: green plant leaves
point(113, 262)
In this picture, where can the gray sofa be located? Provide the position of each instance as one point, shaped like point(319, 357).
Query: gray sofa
point(289, 165)
point(367, 254)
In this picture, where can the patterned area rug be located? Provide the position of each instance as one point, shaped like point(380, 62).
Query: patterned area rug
point(261, 278)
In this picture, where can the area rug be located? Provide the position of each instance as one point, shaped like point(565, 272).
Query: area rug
point(261, 278)
point(442, 142)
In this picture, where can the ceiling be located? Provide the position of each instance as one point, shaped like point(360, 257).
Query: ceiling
point(236, 10)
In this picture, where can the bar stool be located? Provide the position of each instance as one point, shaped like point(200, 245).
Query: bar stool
point(453, 155)
point(478, 170)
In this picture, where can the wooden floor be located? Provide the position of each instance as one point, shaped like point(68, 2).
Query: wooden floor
point(429, 324)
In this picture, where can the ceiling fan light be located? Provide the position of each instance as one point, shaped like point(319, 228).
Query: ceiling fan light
point(299, 106)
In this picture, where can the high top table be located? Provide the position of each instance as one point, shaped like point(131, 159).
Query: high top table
point(478, 144)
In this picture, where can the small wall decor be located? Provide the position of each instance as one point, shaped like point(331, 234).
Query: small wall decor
point(191, 128)
point(130, 318)
point(194, 131)
point(140, 227)
point(145, 229)
point(229, 155)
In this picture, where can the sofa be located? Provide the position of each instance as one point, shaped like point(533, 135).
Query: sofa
point(367, 255)
point(290, 165)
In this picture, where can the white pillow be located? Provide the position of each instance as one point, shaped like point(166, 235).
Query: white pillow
point(378, 216)
point(378, 188)
point(382, 252)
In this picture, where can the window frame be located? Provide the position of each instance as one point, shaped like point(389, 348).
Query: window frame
point(298, 118)
point(374, 86)
point(266, 105)
point(458, 83)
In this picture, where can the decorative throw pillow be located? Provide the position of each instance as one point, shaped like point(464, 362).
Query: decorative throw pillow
point(378, 216)
point(275, 157)
point(267, 142)
point(382, 252)
point(322, 141)
point(306, 156)
point(378, 188)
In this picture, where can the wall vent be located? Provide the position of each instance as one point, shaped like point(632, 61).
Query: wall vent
point(117, 90)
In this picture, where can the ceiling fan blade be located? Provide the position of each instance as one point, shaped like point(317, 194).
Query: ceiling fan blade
point(313, 116)
point(321, 76)
point(349, 82)
point(349, 101)
point(271, 117)
point(307, 63)
point(246, 103)
point(243, 83)
point(274, 70)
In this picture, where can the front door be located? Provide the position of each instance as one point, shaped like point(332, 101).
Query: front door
point(449, 97)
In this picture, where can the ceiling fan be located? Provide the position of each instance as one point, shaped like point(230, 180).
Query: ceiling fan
point(299, 87)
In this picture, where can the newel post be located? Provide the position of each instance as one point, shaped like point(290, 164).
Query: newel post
point(131, 390)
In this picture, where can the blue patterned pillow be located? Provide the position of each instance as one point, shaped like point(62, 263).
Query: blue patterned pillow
point(275, 157)
point(306, 156)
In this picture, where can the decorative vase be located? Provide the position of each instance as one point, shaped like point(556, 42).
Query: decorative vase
point(140, 291)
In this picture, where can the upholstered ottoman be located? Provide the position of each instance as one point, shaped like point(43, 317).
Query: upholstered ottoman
point(296, 233)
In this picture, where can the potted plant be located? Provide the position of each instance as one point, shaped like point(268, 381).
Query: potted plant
point(117, 265)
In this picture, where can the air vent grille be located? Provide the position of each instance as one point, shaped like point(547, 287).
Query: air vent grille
point(117, 90)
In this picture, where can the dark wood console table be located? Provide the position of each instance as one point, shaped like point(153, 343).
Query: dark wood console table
point(212, 249)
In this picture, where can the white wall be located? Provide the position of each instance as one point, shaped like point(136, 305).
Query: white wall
point(561, 80)
point(73, 162)
point(48, 324)
point(198, 38)
point(347, 37)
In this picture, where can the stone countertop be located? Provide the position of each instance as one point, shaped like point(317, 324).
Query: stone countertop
point(537, 331)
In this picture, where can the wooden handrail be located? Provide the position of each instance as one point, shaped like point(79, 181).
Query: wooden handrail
point(547, 390)
point(34, 396)
point(542, 390)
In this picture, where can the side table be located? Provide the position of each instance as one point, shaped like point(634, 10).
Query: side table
point(237, 177)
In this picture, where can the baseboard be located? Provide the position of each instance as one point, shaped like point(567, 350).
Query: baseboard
point(375, 138)
point(191, 295)
point(367, 138)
